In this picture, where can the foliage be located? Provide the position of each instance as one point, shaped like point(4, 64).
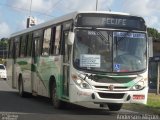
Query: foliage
point(152, 32)
point(3, 42)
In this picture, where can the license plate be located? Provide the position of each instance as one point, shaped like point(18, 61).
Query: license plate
point(138, 97)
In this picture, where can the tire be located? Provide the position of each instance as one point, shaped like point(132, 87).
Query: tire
point(20, 88)
point(54, 97)
point(114, 106)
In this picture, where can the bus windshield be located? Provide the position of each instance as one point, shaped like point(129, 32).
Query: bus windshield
point(109, 51)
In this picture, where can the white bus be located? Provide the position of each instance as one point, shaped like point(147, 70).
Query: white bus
point(98, 57)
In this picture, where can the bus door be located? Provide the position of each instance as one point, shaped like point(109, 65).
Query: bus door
point(35, 58)
point(9, 65)
point(14, 68)
point(16, 45)
point(66, 50)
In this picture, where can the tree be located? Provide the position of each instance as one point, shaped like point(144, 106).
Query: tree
point(3, 47)
point(3, 42)
point(152, 32)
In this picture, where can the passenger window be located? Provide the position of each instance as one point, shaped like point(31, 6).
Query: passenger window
point(52, 40)
point(29, 46)
point(46, 42)
point(17, 44)
point(22, 48)
point(57, 40)
point(11, 49)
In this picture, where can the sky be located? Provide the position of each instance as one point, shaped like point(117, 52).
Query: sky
point(14, 13)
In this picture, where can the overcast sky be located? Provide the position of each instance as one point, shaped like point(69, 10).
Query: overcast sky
point(14, 13)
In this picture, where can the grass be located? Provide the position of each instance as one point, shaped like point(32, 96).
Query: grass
point(154, 101)
point(152, 107)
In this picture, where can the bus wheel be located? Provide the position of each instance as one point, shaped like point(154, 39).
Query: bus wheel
point(54, 97)
point(114, 106)
point(21, 91)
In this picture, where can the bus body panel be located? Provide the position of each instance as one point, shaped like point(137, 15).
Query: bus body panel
point(23, 69)
point(102, 95)
point(36, 76)
point(80, 96)
point(47, 66)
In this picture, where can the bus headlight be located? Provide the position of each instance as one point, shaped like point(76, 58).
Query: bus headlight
point(80, 82)
point(139, 85)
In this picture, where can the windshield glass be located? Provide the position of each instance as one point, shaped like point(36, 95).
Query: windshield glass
point(2, 67)
point(129, 51)
point(108, 51)
point(93, 50)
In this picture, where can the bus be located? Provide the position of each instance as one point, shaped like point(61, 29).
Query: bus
point(91, 56)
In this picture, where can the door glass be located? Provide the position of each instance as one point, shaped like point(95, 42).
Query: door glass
point(37, 47)
point(57, 40)
point(66, 48)
point(66, 66)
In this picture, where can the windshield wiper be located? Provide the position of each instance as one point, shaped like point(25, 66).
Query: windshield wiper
point(103, 37)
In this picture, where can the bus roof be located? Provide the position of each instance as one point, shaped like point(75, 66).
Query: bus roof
point(61, 19)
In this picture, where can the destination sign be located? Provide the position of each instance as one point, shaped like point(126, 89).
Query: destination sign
point(114, 21)
point(110, 21)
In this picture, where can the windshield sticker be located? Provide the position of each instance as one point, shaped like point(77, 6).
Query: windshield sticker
point(130, 35)
point(117, 67)
point(90, 60)
point(92, 33)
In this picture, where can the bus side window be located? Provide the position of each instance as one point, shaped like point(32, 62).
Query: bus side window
point(53, 32)
point(11, 49)
point(26, 44)
point(9, 44)
point(37, 43)
point(36, 47)
point(29, 44)
point(17, 43)
point(22, 46)
point(57, 40)
point(46, 42)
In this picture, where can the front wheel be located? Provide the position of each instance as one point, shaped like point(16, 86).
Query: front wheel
point(114, 106)
point(54, 97)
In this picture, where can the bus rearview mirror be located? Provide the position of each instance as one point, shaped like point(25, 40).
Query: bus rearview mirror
point(71, 38)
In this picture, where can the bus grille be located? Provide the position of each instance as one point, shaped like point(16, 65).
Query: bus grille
point(113, 80)
point(111, 95)
point(107, 87)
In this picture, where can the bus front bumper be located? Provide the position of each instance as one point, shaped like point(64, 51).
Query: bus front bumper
point(89, 95)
